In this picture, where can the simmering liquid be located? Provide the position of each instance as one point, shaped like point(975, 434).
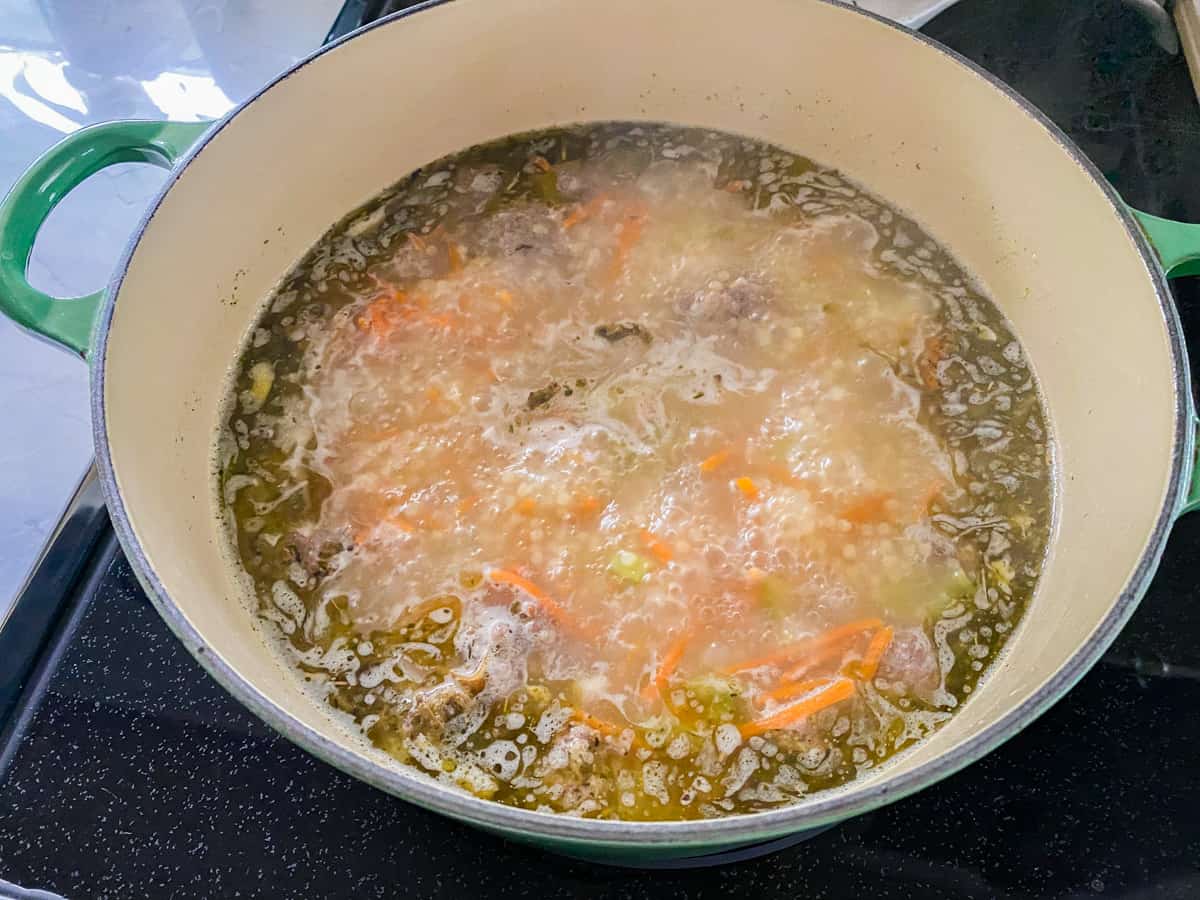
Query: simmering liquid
point(636, 471)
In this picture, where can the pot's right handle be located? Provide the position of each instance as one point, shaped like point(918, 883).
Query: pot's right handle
point(62, 168)
point(1178, 247)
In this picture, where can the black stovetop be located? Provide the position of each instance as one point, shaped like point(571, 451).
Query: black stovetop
point(126, 772)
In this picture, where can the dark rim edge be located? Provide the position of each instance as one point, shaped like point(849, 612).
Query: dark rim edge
point(742, 828)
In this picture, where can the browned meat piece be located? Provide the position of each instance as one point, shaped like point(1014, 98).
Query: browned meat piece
point(314, 553)
point(911, 660)
point(580, 744)
point(433, 709)
point(419, 256)
point(531, 230)
point(739, 299)
point(500, 654)
point(585, 796)
point(568, 768)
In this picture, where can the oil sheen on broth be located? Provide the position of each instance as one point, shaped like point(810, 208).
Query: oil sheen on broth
point(636, 472)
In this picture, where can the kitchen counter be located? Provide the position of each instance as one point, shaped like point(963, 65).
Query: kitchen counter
point(63, 65)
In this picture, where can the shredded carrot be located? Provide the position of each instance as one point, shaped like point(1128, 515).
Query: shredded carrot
point(605, 727)
point(584, 211)
point(402, 523)
point(875, 650)
point(662, 551)
point(829, 653)
point(747, 486)
point(871, 508)
point(598, 724)
point(784, 475)
point(790, 691)
point(930, 358)
point(932, 492)
point(667, 666)
point(544, 600)
point(712, 463)
point(381, 316)
point(433, 393)
point(526, 506)
point(734, 186)
point(505, 296)
point(540, 162)
point(836, 692)
point(455, 258)
point(630, 236)
point(443, 320)
point(587, 505)
point(812, 644)
point(417, 241)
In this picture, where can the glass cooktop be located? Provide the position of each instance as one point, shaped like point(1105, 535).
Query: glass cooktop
point(126, 772)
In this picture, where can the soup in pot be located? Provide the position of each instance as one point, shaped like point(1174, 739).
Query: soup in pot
point(636, 471)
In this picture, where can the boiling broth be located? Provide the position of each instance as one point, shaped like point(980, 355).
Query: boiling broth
point(636, 471)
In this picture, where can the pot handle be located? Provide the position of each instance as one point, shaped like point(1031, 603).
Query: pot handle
point(68, 322)
point(1178, 247)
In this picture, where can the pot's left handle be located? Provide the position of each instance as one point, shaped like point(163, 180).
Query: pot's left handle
point(1178, 247)
point(62, 168)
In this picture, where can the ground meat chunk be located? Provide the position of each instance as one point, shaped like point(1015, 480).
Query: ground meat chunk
point(911, 660)
point(587, 796)
point(419, 256)
point(316, 554)
point(568, 772)
point(532, 230)
point(495, 660)
point(433, 709)
point(742, 298)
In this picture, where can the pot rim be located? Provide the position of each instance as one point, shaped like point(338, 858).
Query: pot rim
point(822, 809)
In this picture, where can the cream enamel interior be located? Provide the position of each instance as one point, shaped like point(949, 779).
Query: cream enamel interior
point(908, 121)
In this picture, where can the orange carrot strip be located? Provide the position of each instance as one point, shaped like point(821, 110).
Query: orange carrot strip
point(836, 692)
point(659, 548)
point(544, 600)
point(784, 654)
point(598, 724)
point(875, 650)
point(747, 486)
point(668, 665)
point(790, 691)
point(715, 461)
point(584, 211)
point(871, 508)
point(526, 506)
point(604, 727)
point(929, 360)
point(830, 653)
point(417, 241)
point(630, 236)
point(587, 505)
point(931, 493)
point(540, 162)
point(402, 523)
point(455, 258)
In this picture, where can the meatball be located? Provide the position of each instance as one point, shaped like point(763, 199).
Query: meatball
point(911, 660)
point(744, 298)
point(500, 651)
point(531, 230)
point(433, 709)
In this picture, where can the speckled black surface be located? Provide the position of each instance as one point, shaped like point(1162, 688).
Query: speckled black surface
point(135, 775)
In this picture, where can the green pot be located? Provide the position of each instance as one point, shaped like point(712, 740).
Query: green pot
point(1072, 267)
